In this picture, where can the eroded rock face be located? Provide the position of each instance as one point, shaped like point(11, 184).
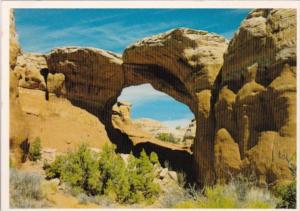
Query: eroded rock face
point(14, 46)
point(227, 158)
point(18, 126)
point(186, 61)
point(257, 92)
point(58, 124)
point(18, 130)
point(266, 37)
point(28, 69)
point(93, 78)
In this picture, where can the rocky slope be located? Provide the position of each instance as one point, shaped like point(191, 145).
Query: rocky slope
point(242, 92)
point(59, 124)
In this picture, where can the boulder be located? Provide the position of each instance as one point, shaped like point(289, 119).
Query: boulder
point(28, 68)
point(270, 158)
point(163, 173)
point(173, 175)
point(227, 161)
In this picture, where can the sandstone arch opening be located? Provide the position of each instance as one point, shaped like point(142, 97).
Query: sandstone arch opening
point(145, 118)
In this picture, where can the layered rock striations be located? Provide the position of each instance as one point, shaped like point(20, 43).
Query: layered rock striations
point(256, 95)
point(242, 92)
point(180, 62)
point(94, 78)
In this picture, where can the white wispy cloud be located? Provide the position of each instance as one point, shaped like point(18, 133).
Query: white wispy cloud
point(140, 95)
point(112, 35)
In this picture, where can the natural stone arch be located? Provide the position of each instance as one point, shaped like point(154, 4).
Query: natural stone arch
point(246, 112)
point(182, 63)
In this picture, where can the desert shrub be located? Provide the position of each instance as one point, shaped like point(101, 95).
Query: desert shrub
point(287, 191)
point(167, 137)
point(243, 184)
point(78, 169)
point(181, 177)
point(114, 174)
point(54, 170)
point(106, 173)
point(187, 204)
point(239, 193)
point(34, 153)
point(218, 197)
point(172, 196)
point(176, 196)
point(287, 195)
point(141, 176)
point(25, 190)
point(258, 198)
point(154, 158)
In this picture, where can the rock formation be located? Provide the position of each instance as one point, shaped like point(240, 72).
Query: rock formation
point(242, 93)
point(121, 120)
point(256, 94)
point(59, 124)
point(94, 78)
point(182, 135)
point(227, 155)
point(18, 132)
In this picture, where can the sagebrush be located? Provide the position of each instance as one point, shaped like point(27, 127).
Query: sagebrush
point(25, 190)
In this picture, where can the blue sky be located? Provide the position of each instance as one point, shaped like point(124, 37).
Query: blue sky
point(40, 30)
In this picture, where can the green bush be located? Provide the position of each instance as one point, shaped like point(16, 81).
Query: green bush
point(287, 194)
point(286, 191)
point(34, 153)
point(114, 174)
point(141, 176)
point(78, 169)
point(187, 204)
point(25, 190)
point(167, 137)
point(218, 197)
point(107, 173)
point(154, 159)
